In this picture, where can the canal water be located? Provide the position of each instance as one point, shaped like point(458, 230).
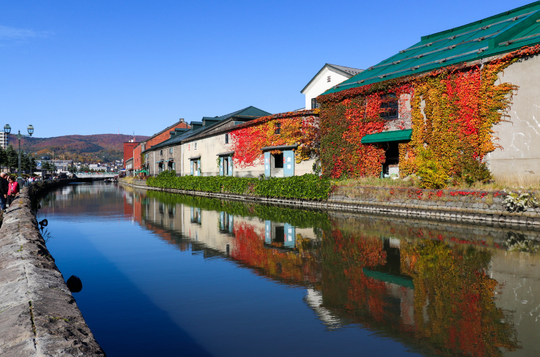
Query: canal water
point(172, 275)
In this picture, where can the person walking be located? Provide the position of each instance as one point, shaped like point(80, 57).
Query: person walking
point(13, 190)
point(3, 190)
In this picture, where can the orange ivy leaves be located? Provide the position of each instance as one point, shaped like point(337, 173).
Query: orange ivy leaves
point(453, 114)
point(301, 130)
point(343, 125)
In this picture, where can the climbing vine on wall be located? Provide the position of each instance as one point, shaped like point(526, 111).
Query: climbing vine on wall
point(453, 115)
point(284, 129)
point(453, 112)
point(344, 122)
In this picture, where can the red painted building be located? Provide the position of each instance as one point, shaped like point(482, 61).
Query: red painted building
point(138, 160)
point(128, 151)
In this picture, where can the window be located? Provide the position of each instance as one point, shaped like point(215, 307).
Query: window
point(389, 107)
point(278, 161)
point(170, 150)
point(277, 129)
point(195, 146)
point(195, 215)
point(226, 138)
point(161, 152)
point(329, 79)
point(280, 234)
point(314, 104)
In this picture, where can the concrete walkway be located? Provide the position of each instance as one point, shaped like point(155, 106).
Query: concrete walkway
point(38, 314)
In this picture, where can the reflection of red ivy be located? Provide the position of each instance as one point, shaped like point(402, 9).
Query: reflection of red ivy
point(296, 128)
point(249, 249)
point(357, 252)
point(453, 307)
point(364, 252)
point(454, 296)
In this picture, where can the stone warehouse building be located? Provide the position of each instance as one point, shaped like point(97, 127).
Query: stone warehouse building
point(457, 101)
point(246, 143)
point(138, 162)
point(184, 156)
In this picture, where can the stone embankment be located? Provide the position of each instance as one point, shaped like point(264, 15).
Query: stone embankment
point(38, 314)
point(467, 206)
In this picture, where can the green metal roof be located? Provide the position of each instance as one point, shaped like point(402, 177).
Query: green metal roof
point(386, 136)
point(198, 127)
point(494, 35)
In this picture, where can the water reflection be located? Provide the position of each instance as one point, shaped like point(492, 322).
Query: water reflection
point(429, 287)
point(438, 289)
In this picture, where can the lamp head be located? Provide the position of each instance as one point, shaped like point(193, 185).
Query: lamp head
point(7, 129)
point(30, 129)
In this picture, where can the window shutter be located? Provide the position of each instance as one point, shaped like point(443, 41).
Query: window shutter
point(268, 232)
point(288, 165)
point(290, 236)
point(267, 164)
point(231, 223)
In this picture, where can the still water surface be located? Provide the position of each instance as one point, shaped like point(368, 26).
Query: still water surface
point(170, 275)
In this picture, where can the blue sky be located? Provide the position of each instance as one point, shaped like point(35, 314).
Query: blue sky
point(137, 66)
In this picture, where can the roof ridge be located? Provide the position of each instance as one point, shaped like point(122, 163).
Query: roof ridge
point(502, 33)
point(345, 67)
point(502, 14)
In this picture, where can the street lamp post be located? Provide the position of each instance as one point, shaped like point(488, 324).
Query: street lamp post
point(7, 130)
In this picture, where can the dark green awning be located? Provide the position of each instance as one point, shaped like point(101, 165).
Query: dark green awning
point(398, 135)
point(398, 280)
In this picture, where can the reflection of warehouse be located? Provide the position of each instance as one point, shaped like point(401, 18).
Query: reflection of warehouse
point(215, 232)
point(297, 256)
point(396, 289)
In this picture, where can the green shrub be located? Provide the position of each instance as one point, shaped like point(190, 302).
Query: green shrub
point(432, 173)
point(307, 187)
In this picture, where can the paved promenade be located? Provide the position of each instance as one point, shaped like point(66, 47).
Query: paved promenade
point(38, 314)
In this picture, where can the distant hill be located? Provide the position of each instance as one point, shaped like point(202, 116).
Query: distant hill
point(84, 148)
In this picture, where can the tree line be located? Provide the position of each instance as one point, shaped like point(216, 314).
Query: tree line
point(9, 158)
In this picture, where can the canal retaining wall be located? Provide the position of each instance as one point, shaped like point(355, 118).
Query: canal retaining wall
point(38, 314)
point(465, 206)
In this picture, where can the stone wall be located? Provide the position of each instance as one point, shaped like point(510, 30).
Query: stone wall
point(467, 206)
point(485, 207)
point(38, 314)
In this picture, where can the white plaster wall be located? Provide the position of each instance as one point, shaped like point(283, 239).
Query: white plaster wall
point(210, 147)
point(519, 158)
point(208, 231)
point(320, 84)
point(164, 215)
